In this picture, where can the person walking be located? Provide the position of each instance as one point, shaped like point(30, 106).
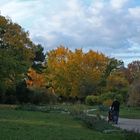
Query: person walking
point(115, 107)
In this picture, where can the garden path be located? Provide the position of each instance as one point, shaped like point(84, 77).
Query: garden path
point(124, 123)
point(129, 124)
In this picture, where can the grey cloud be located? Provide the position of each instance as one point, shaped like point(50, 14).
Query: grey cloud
point(100, 25)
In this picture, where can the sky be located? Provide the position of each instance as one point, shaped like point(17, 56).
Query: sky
point(108, 26)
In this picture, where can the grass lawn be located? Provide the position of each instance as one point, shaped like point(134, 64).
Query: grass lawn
point(130, 112)
point(30, 125)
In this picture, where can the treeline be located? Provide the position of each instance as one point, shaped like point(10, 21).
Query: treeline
point(17, 54)
point(27, 75)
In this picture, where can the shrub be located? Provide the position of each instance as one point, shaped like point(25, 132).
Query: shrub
point(49, 98)
point(119, 97)
point(92, 100)
point(131, 135)
point(107, 102)
point(46, 108)
point(93, 122)
point(102, 108)
point(77, 110)
point(42, 96)
point(107, 96)
point(124, 94)
point(35, 97)
point(22, 92)
point(97, 124)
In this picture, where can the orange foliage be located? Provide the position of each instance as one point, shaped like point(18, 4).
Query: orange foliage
point(72, 72)
point(35, 79)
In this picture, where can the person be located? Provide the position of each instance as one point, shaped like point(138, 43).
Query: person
point(115, 107)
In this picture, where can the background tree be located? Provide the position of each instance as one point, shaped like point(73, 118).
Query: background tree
point(35, 79)
point(117, 84)
point(56, 72)
point(38, 62)
point(132, 74)
point(111, 66)
point(133, 71)
point(74, 74)
point(134, 93)
point(17, 53)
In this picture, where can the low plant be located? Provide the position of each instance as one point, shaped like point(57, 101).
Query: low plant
point(92, 100)
point(47, 108)
point(91, 121)
point(107, 102)
point(131, 135)
point(77, 110)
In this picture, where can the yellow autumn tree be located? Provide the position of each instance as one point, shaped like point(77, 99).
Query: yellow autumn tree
point(74, 73)
point(35, 80)
point(56, 70)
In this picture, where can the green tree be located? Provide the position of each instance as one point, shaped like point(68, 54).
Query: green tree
point(17, 53)
point(112, 65)
point(39, 59)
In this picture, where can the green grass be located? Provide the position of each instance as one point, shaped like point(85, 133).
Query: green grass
point(29, 125)
point(130, 112)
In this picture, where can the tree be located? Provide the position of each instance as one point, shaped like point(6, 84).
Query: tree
point(17, 53)
point(132, 74)
point(112, 65)
point(133, 71)
point(56, 72)
point(35, 80)
point(74, 74)
point(116, 81)
point(39, 59)
point(134, 93)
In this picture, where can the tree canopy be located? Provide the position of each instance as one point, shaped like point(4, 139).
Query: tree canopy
point(17, 53)
point(61, 72)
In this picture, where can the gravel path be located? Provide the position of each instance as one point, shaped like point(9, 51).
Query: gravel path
point(124, 123)
point(129, 124)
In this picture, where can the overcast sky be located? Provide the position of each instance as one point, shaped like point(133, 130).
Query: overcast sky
point(108, 26)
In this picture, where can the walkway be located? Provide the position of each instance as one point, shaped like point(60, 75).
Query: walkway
point(124, 123)
point(129, 124)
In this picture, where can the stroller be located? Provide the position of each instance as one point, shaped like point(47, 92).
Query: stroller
point(110, 115)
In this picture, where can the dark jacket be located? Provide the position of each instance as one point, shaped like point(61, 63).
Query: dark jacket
point(116, 105)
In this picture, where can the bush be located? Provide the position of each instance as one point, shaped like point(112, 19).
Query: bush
point(107, 98)
point(102, 108)
point(22, 92)
point(77, 110)
point(119, 97)
point(92, 100)
point(130, 135)
point(97, 124)
point(107, 102)
point(42, 96)
point(46, 108)
point(10, 96)
point(49, 98)
point(93, 122)
point(124, 94)
point(35, 97)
